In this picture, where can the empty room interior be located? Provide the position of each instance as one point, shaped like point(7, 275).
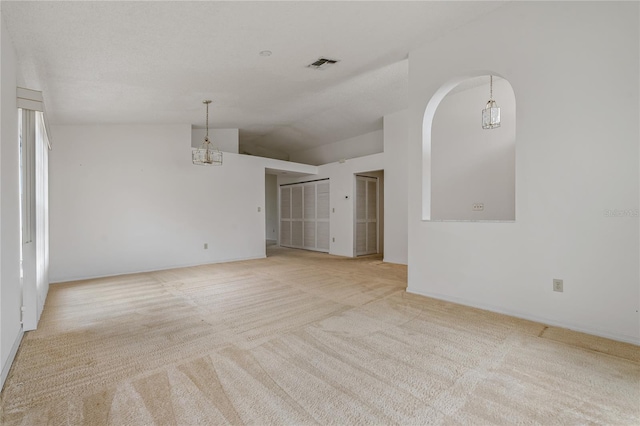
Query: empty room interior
point(319, 212)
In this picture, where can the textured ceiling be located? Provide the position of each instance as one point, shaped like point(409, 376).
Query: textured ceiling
point(154, 62)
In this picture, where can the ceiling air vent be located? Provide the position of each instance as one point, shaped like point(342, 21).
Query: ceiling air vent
point(322, 63)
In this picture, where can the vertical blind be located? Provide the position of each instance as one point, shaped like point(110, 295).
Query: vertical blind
point(34, 204)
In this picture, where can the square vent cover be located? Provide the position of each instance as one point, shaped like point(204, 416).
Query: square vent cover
point(322, 63)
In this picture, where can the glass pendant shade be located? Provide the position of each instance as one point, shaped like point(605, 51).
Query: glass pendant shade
point(491, 111)
point(207, 155)
point(491, 115)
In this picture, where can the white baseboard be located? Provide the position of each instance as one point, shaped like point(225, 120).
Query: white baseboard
point(12, 355)
point(542, 320)
point(160, 268)
point(394, 261)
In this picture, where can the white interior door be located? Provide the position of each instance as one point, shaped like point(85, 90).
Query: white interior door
point(285, 216)
point(322, 216)
point(304, 215)
point(309, 196)
point(366, 221)
point(297, 209)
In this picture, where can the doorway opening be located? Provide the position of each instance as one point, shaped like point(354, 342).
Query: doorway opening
point(304, 215)
point(369, 213)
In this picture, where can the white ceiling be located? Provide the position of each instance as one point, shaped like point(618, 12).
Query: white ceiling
point(154, 62)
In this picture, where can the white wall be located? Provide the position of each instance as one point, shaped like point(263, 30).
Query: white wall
point(394, 185)
point(250, 148)
point(226, 140)
point(271, 206)
point(10, 291)
point(342, 183)
point(396, 156)
point(130, 201)
point(576, 85)
point(469, 164)
point(359, 146)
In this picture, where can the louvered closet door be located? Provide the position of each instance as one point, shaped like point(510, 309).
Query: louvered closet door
point(361, 216)
point(322, 216)
point(309, 195)
point(304, 213)
point(366, 215)
point(296, 216)
point(372, 216)
point(285, 216)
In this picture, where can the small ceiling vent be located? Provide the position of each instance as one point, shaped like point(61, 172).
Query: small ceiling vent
point(323, 63)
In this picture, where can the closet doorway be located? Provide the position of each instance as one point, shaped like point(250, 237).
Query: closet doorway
point(368, 213)
point(304, 215)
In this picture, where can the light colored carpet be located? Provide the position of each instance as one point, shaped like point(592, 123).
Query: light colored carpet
point(303, 338)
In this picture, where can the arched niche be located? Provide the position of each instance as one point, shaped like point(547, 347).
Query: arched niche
point(468, 171)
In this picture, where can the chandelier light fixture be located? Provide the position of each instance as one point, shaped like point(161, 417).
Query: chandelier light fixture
point(207, 155)
point(491, 111)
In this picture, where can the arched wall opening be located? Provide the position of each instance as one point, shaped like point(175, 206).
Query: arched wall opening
point(469, 172)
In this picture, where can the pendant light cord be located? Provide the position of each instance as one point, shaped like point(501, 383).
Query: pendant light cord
point(490, 88)
point(207, 102)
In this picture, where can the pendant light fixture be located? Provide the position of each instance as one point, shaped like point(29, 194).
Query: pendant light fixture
point(491, 111)
point(207, 155)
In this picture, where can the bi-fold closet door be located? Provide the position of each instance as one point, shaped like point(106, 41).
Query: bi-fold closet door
point(366, 215)
point(304, 215)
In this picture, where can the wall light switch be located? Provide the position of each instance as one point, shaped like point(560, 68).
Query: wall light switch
point(558, 285)
point(259, 209)
point(206, 246)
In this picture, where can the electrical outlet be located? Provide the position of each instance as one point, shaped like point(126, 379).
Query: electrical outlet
point(558, 285)
point(259, 209)
point(206, 246)
point(478, 207)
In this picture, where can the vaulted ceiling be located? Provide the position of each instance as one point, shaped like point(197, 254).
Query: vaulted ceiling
point(154, 62)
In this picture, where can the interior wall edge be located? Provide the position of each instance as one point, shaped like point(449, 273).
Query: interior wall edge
point(527, 316)
point(395, 261)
